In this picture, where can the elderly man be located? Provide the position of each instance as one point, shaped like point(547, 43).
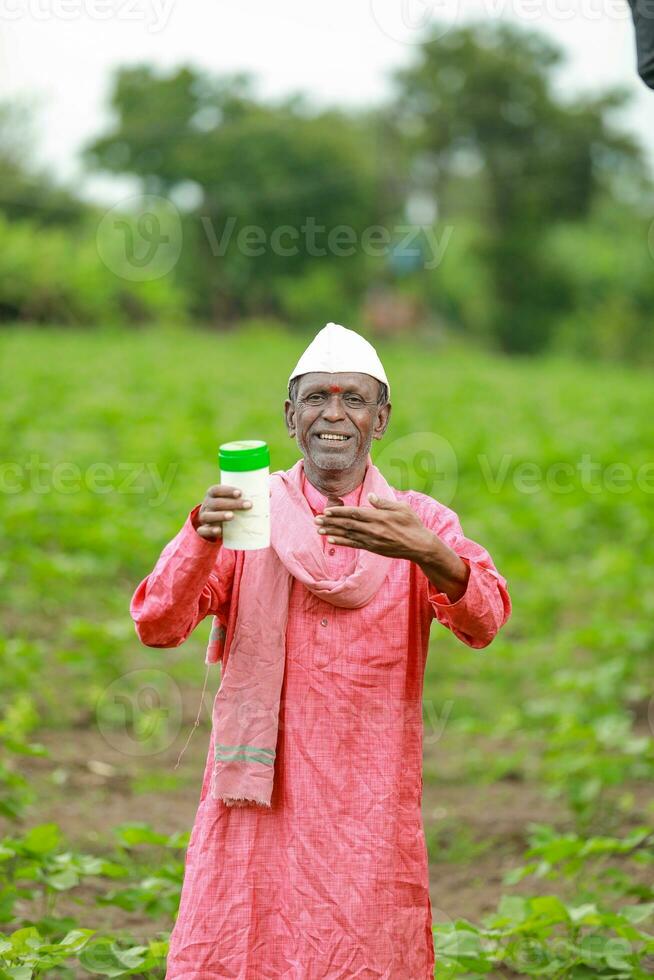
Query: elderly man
point(315, 866)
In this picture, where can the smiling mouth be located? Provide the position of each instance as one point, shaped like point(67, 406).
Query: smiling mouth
point(331, 439)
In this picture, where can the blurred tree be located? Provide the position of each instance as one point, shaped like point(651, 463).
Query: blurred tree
point(479, 100)
point(285, 169)
point(25, 191)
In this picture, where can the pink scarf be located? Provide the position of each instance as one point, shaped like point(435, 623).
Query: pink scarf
point(253, 647)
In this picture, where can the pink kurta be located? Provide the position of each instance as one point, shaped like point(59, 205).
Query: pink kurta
point(332, 882)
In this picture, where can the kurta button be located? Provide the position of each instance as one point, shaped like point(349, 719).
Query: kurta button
point(323, 621)
point(332, 551)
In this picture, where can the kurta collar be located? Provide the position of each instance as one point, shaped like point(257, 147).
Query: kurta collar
point(318, 501)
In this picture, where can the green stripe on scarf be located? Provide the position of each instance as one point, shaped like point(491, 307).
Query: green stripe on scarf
point(244, 753)
point(243, 757)
point(253, 748)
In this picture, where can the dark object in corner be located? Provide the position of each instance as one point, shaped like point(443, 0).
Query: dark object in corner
point(643, 14)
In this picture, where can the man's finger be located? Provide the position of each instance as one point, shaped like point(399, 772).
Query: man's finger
point(340, 524)
point(216, 505)
point(383, 503)
point(210, 533)
point(358, 513)
point(223, 490)
point(344, 542)
point(214, 517)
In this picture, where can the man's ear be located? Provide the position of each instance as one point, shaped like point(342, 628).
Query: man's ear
point(289, 415)
point(382, 420)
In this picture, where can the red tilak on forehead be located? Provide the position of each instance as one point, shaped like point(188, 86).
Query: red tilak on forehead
point(335, 389)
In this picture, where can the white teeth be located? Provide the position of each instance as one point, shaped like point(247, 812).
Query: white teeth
point(335, 438)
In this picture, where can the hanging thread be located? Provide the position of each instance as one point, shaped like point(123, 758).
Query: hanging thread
point(197, 720)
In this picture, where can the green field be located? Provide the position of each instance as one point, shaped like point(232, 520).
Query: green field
point(539, 752)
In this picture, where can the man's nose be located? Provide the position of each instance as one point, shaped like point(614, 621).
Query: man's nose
point(334, 408)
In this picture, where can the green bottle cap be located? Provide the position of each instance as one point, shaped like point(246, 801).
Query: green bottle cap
point(243, 454)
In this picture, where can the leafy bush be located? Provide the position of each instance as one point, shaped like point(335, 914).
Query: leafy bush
point(56, 275)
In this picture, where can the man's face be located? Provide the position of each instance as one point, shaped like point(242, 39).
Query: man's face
point(341, 405)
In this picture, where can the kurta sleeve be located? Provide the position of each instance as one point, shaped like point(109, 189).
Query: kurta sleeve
point(485, 606)
point(191, 579)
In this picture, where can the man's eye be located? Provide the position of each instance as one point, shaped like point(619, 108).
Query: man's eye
point(317, 398)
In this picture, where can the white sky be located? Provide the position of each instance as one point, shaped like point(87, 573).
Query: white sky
point(61, 52)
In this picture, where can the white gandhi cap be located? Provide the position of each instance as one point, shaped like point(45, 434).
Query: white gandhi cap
point(337, 349)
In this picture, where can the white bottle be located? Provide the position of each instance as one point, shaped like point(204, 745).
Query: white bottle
point(245, 464)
